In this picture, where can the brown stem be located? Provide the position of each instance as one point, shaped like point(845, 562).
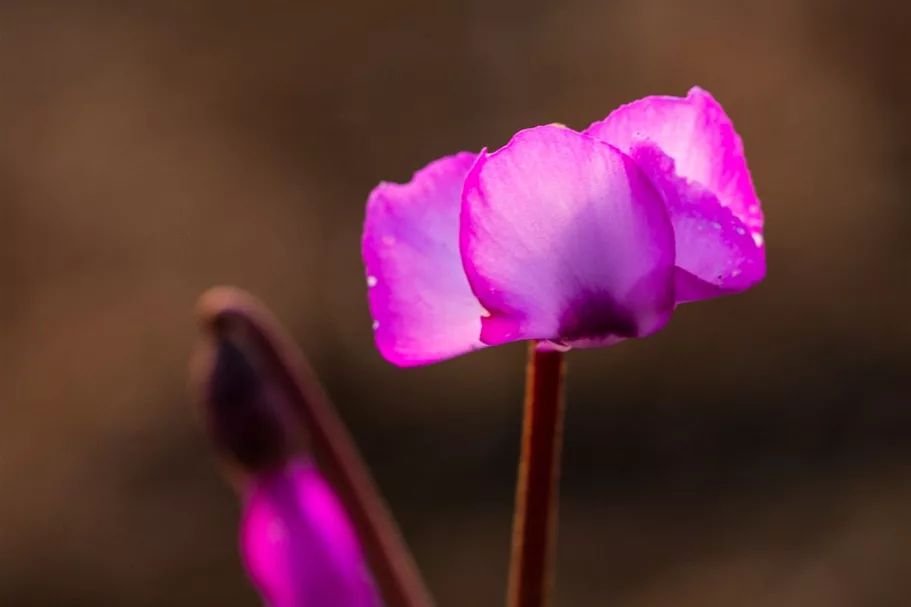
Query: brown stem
point(534, 531)
point(330, 442)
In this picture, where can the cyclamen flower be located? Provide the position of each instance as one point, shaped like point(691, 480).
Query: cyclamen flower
point(572, 239)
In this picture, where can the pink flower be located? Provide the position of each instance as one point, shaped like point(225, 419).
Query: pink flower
point(577, 239)
point(298, 545)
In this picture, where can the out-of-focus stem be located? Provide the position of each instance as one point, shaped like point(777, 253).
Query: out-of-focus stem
point(535, 523)
point(329, 440)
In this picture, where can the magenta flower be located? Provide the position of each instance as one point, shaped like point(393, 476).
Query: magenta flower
point(297, 543)
point(573, 239)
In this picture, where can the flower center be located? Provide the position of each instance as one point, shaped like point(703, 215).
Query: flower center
point(596, 315)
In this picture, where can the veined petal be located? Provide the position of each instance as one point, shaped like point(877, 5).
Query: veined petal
point(298, 545)
point(420, 300)
point(564, 239)
point(704, 168)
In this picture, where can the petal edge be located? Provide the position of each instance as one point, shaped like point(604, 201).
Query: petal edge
point(420, 299)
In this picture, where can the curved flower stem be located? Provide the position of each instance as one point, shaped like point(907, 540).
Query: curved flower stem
point(330, 441)
point(535, 523)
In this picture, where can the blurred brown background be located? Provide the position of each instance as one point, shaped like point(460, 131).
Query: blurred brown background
point(757, 452)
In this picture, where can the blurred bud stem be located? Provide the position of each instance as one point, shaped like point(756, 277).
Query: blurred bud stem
point(246, 354)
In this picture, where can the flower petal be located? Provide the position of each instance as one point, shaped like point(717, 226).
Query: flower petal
point(298, 545)
point(716, 255)
point(690, 150)
point(564, 239)
point(422, 306)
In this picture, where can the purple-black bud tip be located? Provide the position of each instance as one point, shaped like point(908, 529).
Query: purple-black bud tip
point(247, 416)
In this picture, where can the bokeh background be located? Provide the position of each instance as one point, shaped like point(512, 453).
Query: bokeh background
point(755, 453)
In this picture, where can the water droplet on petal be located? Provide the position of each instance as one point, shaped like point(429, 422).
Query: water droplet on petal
point(376, 325)
point(758, 239)
point(371, 281)
point(716, 225)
